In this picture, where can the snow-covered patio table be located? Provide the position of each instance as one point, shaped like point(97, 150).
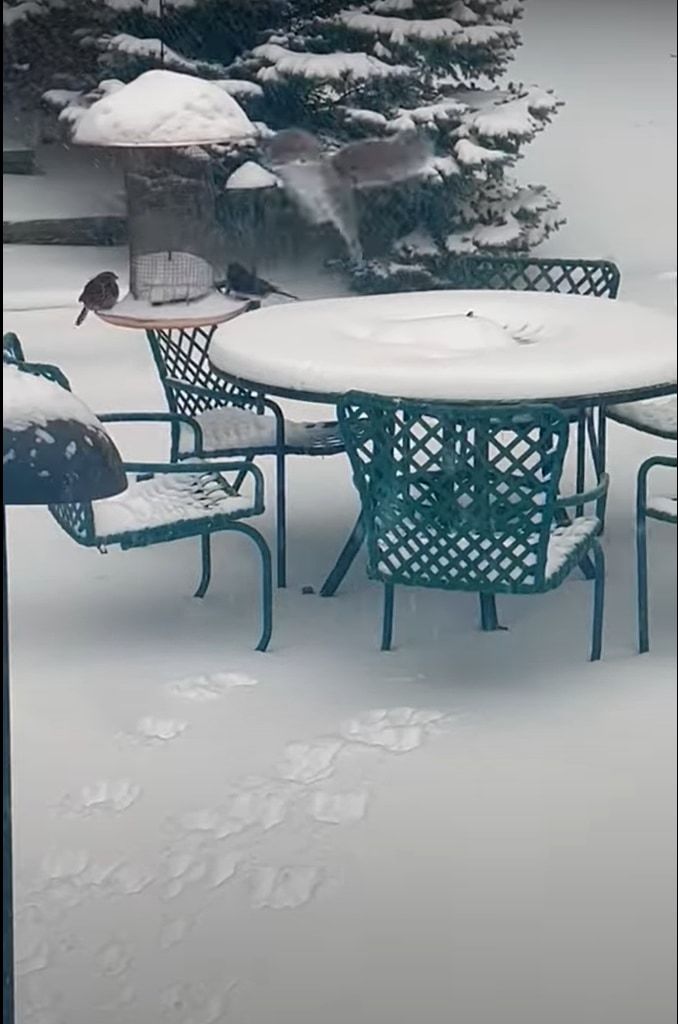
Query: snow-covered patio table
point(458, 346)
point(461, 346)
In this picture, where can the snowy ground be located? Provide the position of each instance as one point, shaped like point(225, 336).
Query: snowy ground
point(71, 183)
point(194, 849)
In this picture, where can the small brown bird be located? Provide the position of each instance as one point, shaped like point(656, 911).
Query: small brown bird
point(101, 292)
point(243, 282)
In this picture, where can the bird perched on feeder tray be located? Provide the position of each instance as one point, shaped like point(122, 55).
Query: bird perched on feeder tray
point(100, 293)
point(242, 281)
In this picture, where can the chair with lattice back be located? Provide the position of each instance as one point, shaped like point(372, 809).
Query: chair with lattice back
point(466, 498)
point(234, 420)
point(166, 501)
point(517, 272)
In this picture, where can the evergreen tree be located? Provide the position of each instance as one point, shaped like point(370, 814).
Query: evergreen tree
point(346, 71)
point(67, 48)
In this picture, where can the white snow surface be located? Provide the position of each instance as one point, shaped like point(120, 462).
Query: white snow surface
point(150, 49)
point(515, 861)
point(164, 500)
point(252, 175)
point(164, 108)
point(286, 63)
point(424, 345)
point(651, 414)
point(32, 401)
point(242, 429)
point(473, 806)
point(72, 183)
point(211, 308)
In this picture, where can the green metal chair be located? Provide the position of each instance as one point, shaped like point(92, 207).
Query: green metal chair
point(509, 272)
point(167, 501)
point(649, 507)
point(466, 498)
point(234, 420)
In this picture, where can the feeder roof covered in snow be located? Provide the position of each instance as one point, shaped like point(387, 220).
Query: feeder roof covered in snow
point(164, 108)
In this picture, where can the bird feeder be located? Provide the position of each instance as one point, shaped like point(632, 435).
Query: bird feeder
point(160, 121)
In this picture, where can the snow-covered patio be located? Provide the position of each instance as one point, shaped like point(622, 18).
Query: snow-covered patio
point(475, 828)
point(324, 832)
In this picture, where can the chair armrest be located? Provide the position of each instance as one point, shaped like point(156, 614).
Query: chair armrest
point(668, 461)
point(597, 494)
point(200, 391)
point(203, 466)
point(233, 398)
point(157, 417)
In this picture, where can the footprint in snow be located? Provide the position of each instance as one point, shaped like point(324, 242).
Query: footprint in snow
point(103, 797)
point(339, 808)
point(182, 1003)
point(398, 730)
point(114, 959)
point(209, 687)
point(153, 731)
point(309, 762)
point(174, 931)
point(284, 887)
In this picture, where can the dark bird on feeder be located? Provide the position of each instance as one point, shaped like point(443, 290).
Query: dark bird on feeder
point(241, 281)
point(100, 293)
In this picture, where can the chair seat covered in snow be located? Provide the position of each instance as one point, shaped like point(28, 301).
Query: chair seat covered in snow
point(650, 506)
point(655, 416)
point(235, 420)
point(466, 498)
point(231, 429)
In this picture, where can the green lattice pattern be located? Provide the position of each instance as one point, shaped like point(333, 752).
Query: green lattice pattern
point(599, 278)
point(182, 355)
point(456, 497)
point(77, 520)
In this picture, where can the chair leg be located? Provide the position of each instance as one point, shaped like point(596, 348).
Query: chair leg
point(581, 456)
point(387, 625)
point(206, 555)
point(266, 582)
point(343, 564)
point(602, 439)
point(641, 564)
point(281, 520)
point(488, 613)
point(598, 602)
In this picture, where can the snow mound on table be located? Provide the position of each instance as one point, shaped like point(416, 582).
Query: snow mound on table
point(32, 401)
point(164, 108)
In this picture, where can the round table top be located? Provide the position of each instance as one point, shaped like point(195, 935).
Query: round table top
point(465, 346)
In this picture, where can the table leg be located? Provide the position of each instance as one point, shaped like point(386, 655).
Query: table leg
point(7, 902)
point(345, 560)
